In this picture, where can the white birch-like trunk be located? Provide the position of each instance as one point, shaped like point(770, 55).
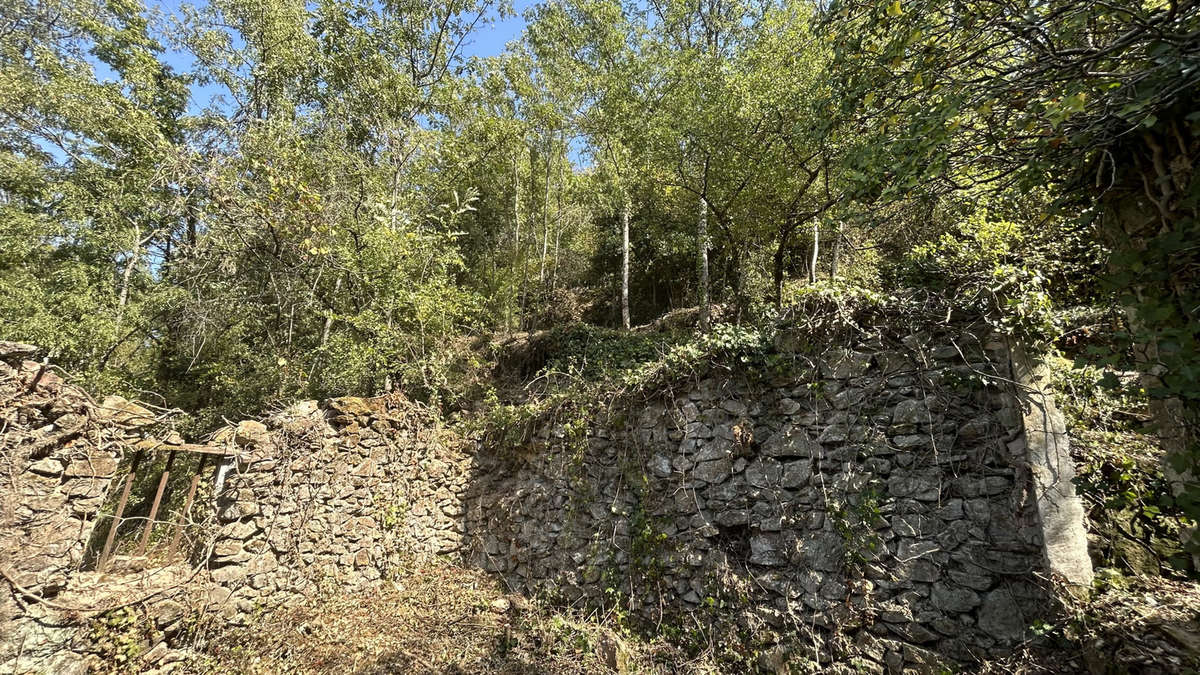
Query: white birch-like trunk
point(128, 274)
point(516, 249)
point(626, 207)
point(836, 258)
point(337, 288)
point(545, 220)
point(816, 245)
point(702, 262)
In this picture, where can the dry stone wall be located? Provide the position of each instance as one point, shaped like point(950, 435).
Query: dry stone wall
point(332, 496)
point(889, 504)
point(57, 470)
point(875, 504)
point(60, 452)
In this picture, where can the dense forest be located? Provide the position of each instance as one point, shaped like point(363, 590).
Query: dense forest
point(334, 198)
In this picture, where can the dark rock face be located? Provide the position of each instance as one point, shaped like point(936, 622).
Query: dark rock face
point(874, 501)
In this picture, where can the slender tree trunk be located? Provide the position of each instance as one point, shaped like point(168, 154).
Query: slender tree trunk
point(191, 229)
point(128, 274)
point(702, 263)
point(739, 284)
point(816, 245)
point(516, 249)
point(337, 287)
point(387, 378)
point(545, 217)
point(516, 178)
point(524, 266)
point(559, 221)
point(626, 207)
point(837, 252)
point(785, 235)
point(554, 270)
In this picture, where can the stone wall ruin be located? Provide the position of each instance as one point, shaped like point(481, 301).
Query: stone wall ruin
point(892, 504)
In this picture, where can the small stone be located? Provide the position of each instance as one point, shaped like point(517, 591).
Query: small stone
point(891, 612)
point(791, 441)
point(250, 432)
point(47, 467)
point(920, 487)
point(978, 511)
point(228, 548)
point(925, 662)
point(733, 518)
point(734, 407)
point(911, 441)
point(923, 570)
point(156, 654)
point(910, 525)
point(122, 412)
point(167, 612)
point(500, 605)
point(913, 632)
point(229, 574)
point(953, 598)
point(843, 364)
point(1001, 617)
point(911, 550)
point(717, 448)
point(12, 351)
point(945, 352)
point(239, 529)
point(764, 551)
point(824, 551)
point(974, 429)
point(910, 412)
point(101, 466)
point(975, 578)
point(349, 405)
point(979, 487)
point(796, 474)
point(660, 466)
point(764, 473)
point(714, 472)
point(952, 510)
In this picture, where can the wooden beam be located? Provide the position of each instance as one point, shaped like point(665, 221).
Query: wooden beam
point(116, 520)
point(187, 507)
point(162, 486)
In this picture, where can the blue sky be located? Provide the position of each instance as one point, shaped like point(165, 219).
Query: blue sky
point(489, 39)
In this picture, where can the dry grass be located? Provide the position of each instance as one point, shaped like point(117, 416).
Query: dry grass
point(433, 618)
point(441, 618)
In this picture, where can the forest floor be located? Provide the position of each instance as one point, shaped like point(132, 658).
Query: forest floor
point(437, 618)
point(442, 618)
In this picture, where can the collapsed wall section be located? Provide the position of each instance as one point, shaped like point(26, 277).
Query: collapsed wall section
point(60, 451)
point(56, 472)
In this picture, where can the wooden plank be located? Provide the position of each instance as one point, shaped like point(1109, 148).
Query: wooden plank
point(153, 445)
point(162, 486)
point(116, 521)
point(206, 450)
point(187, 507)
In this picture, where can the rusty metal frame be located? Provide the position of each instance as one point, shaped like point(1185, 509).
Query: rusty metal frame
point(204, 451)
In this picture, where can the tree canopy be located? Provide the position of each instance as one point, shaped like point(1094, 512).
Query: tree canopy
point(363, 197)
